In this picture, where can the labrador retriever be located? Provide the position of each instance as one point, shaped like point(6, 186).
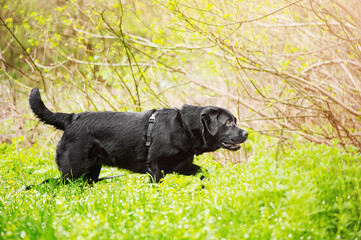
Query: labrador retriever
point(156, 142)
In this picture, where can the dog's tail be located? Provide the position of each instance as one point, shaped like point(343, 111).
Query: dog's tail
point(59, 120)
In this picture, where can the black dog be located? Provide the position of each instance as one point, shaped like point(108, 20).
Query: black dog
point(156, 142)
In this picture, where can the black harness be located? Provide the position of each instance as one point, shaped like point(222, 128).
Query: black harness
point(151, 122)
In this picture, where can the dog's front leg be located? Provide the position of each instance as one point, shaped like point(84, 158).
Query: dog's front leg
point(189, 169)
point(154, 171)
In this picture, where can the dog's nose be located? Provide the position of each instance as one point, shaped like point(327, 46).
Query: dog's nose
point(245, 134)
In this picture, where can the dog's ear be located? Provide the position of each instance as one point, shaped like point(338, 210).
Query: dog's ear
point(209, 120)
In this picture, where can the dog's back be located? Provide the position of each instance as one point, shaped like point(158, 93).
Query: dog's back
point(59, 120)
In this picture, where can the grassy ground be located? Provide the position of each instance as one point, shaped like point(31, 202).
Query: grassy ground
point(313, 192)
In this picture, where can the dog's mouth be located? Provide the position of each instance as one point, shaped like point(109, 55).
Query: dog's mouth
point(231, 146)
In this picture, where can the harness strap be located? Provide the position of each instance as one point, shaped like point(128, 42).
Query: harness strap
point(151, 122)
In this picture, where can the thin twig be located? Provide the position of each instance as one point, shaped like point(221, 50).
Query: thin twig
point(26, 53)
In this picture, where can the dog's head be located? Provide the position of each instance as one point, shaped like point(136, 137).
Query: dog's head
point(220, 130)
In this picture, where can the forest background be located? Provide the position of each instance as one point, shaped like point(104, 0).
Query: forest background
point(283, 67)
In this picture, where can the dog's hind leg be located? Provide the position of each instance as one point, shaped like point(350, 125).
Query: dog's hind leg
point(88, 169)
point(92, 174)
point(85, 164)
point(96, 155)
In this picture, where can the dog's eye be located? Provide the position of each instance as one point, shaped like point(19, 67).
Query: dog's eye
point(229, 123)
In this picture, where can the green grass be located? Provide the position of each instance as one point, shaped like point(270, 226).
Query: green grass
point(312, 193)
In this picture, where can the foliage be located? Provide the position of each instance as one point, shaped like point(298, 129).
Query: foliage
point(283, 67)
point(312, 193)
point(295, 63)
point(82, 49)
